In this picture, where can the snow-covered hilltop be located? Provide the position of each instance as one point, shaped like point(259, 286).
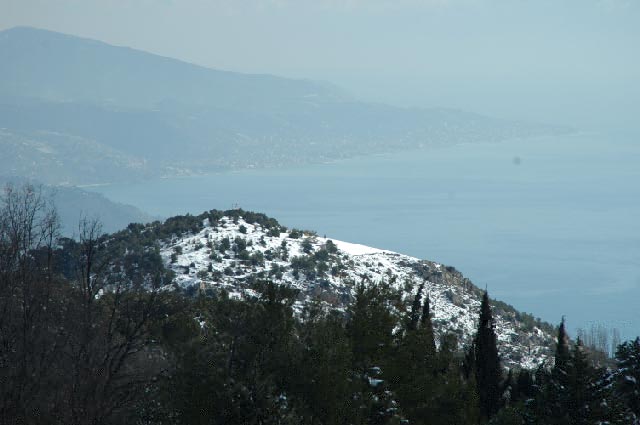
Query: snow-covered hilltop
point(231, 253)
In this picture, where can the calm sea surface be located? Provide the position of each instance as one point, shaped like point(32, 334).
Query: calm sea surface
point(550, 225)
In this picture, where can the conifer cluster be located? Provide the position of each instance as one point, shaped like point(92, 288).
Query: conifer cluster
point(81, 346)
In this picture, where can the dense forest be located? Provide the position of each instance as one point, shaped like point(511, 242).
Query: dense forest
point(90, 334)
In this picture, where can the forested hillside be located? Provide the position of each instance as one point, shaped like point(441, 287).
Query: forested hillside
point(232, 250)
point(98, 331)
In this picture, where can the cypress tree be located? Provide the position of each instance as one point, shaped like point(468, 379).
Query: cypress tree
point(487, 362)
point(580, 387)
point(524, 386)
point(562, 357)
point(557, 400)
point(426, 327)
point(414, 316)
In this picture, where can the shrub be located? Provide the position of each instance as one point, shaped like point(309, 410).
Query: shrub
point(307, 246)
point(331, 247)
point(244, 255)
point(274, 232)
point(240, 244)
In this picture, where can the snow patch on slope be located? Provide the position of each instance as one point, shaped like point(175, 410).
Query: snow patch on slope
point(357, 249)
point(232, 254)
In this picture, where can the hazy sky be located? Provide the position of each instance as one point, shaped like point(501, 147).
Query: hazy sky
point(573, 61)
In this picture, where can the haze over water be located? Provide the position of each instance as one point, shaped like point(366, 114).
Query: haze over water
point(549, 225)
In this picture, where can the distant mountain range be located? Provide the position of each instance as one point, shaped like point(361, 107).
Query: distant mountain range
point(79, 111)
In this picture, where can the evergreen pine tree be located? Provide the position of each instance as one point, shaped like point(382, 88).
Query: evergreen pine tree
point(487, 362)
point(457, 400)
point(325, 379)
point(553, 402)
point(628, 382)
point(589, 399)
point(370, 331)
point(607, 406)
point(537, 406)
point(414, 373)
point(370, 325)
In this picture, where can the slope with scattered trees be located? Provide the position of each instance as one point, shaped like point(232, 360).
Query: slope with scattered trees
point(91, 333)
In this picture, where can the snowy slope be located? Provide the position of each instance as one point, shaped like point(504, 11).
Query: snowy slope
point(231, 253)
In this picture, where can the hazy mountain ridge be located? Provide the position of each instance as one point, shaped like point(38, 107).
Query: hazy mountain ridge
point(85, 70)
point(72, 204)
point(227, 252)
point(161, 116)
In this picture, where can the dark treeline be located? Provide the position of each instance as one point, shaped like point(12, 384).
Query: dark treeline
point(88, 336)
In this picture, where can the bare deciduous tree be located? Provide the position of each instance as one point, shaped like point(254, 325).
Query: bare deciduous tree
point(28, 231)
point(71, 351)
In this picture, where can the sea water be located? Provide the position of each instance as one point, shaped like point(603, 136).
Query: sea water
point(550, 225)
